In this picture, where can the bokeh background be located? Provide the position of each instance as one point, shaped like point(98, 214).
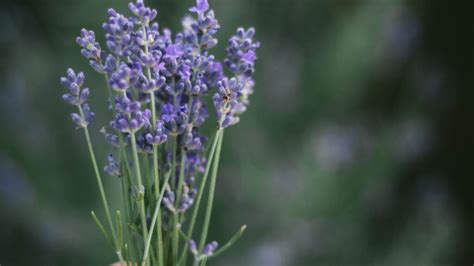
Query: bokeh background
point(356, 150)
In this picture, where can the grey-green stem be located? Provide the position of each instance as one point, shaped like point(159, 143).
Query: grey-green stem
point(210, 199)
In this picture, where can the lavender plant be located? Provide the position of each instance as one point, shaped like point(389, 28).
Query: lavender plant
point(159, 86)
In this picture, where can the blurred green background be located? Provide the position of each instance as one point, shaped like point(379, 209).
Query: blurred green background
point(356, 149)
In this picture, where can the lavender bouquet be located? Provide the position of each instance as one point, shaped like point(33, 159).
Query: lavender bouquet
point(158, 85)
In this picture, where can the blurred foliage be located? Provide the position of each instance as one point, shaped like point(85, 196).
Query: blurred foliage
point(356, 149)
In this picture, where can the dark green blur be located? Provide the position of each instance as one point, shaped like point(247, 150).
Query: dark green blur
point(356, 149)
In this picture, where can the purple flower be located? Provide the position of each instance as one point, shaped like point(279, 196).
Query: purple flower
point(210, 248)
point(124, 77)
point(112, 168)
point(187, 199)
point(241, 53)
point(226, 101)
point(123, 104)
point(88, 115)
point(232, 96)
point(144, 14)
point(174, 118)
point(129, 117)
point(192, 140)
point(158, 136)
point(119, 33)
point(193, 247)
point(77, 97)
point(112, 139)
point(174, 50)
point(91, 49)
point(143, 145)
point(201, 7)
point(168, 200)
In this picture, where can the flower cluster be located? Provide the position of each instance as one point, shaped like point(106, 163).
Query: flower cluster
point(159, 84)
point(78, 97)
point(207, 251)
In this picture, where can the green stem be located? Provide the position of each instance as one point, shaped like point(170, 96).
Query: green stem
point(159, 233)
point(177, 203)
point(229, 243)
point(197, 203)
point(147, 180)
point(155, 216)
point(119, 254)
point(210, 199)
point(127, 211)
point(173, 165)
point(181, 178)
point(139, 182)
point(99, 178)
point(126, 183)
point(159, 239)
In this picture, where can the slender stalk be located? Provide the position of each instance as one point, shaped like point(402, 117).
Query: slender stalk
point(182, 259)
point(210, 199)
point(232, 241)
point(99, 182)
point(155, 216)
point(177, 203)
point(124, 186)
point(139, 182)
point(123, 153)
point(126, 183)
point(102, 229)
point(159, 235)
point(173, 165)
point(181, 178)
point(119, 254)
point(97, 174)
point(156, 174)
point(147, 180)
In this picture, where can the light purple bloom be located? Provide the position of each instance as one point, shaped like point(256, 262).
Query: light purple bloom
point(210, 248)
point(112, 168)
point(201, 7)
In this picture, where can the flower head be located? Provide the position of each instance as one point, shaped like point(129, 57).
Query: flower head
point(77, 96)
point(144, 14)
point(201, 7)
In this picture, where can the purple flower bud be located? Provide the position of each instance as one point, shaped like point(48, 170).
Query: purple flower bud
point(158, 136)
point(123, 78)
point(193, 247)
point(83, 96)
point(88, 115)
point(210, 248)
point(201, 7)
point(70, 99)
point(143, 13)
point(174, 50)
point(77, 119)
point(90, 48)
point(168, 204)
point(112, 168)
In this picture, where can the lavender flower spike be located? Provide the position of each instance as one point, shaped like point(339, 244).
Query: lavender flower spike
point(77, 96)
point(143, 13)
point(201, 7)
